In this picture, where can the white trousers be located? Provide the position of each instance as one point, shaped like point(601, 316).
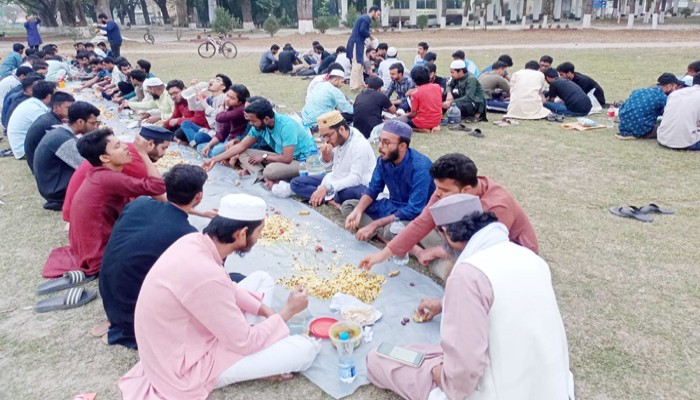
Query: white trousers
point(291, 354)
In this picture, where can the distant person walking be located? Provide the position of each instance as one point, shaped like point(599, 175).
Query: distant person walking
point(356, 44)
point(114, 35)
point(32, 27)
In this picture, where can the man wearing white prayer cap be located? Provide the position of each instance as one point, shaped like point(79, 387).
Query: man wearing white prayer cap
point(158, 107)
point(465, 91)
point(197, 330)
point(479, 356)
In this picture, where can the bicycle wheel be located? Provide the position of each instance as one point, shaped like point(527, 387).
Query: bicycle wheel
point(206, 50)
point(229, 49)
point(148, 38)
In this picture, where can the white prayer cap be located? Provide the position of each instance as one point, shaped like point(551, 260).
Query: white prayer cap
point(242, 207)
point(391, 52)
point(453, 208)
point(458, 64)
point(151, 82)
point(337, 72)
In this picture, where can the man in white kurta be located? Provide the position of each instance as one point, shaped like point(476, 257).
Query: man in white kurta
point(352, 160)
point(502, 336)
point(193, 324)
point(526, 88)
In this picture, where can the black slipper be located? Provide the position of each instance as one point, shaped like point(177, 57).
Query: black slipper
point(477, 133)
point(654, 209)
point(6, 153)
point(630, 212)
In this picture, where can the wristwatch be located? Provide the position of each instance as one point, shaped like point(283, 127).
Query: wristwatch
point(264, 156)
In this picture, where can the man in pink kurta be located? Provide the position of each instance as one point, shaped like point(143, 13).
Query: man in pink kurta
point(479, 356)
point(192, 322)
point(453, 174)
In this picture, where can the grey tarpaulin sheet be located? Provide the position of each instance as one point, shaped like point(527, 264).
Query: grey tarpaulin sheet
point(397, 300)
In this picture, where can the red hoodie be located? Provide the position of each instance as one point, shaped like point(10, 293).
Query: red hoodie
point(182, 113)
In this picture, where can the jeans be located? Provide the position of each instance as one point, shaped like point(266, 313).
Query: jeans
point(560, 108)
point(494, 105)
point(270, 68)
point(305, 186)
point(310, 60)
point(215, 150)
point(194, 133)
point(694, 147)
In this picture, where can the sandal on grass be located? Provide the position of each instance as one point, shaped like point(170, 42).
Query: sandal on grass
point(74, 297)
point(654, 209)
point(462, 127)
point(477, 133)
point(554, 117)
point(68, 280)
point(631, 212)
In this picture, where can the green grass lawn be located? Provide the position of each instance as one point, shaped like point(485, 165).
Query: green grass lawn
point(628, 291)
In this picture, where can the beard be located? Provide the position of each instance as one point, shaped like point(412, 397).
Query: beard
point(155, 96)
point(391, 157)
point(249, 243)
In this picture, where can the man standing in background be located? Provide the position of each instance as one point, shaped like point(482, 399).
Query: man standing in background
point(114, 35)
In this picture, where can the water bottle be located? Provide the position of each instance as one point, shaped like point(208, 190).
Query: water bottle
point(346, 363)
point(611, 117)
point(395, 228)
point(313, 163)
point(302, 167)
point(454, 115)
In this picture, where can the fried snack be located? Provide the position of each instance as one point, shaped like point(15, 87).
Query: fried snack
point(345, 279)
point(304, 212)
point(419, 318)
point(394, 273)
point(279, 229)
point(169, 160)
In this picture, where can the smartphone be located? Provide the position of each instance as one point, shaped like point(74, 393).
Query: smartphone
point(400, 354)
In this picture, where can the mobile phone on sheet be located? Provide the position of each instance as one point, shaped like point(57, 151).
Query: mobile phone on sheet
point(400, 354)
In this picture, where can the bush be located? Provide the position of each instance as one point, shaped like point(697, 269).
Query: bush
point(422, 21)
point(224, 22)
point(351, 17)
point(321, 25)
point(686, 12)
point(271, 25)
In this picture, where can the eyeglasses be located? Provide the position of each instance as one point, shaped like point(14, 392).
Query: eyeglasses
point(328, 135)
point(386, 143)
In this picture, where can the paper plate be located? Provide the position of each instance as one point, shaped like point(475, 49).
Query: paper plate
point(320, 327)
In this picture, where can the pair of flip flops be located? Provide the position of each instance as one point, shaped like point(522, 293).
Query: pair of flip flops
point(554, 117)
point(6, 153)
point(506, 122)
point(462, 127)
point(76, 296)
point(640, 213)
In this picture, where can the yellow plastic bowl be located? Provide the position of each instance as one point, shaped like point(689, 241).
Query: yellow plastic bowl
point(352, 328)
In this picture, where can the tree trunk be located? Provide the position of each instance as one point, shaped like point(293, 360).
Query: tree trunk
point(102, 6)
point(616, 8)
point(524, 16)
point(247, 10)
point(144, 10)
point(587, 11)
point(442, 20)
point(181, 9)
point(305, 13)
point(163, 5)
point(79, 13)
point(630, 16)
point(67, 12)
point(131, 13)
point(465, 13)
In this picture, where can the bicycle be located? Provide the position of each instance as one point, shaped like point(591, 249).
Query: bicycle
point(148, 38)
point(225, 47)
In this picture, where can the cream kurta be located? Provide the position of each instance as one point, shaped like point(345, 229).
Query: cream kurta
point(526, 87)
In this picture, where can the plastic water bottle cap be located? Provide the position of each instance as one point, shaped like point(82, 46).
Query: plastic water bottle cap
point(344, 336)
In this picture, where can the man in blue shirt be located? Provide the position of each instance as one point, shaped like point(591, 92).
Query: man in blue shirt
point(639, 113)
point(32, 28)
point(144, 230)
point(12, 61)
point(285, 136)
point(360, 32)
point(114, 35)
point(405, 172)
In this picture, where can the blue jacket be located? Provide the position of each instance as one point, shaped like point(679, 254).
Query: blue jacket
point(33, 36)
point(409, 183)
point(361, 28)
point(114, 35)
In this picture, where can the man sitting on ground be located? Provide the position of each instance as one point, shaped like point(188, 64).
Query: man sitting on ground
point(57, 157)
point(197, 330)
point(545, 63)
point(268, 62)
point(576, 102)
point(18, 95)
point(452, 174)
point(434, 78)
point(158, 108)
point(422, 51)
point(370, 104)
point(101, 197)
point(512, 348)
point(157, 143)
point(426, 103)
point(181, 110)
point(465, 91)
point(687, 78)
point(322, 78)
point(26, 113)
point(325, 97)
point(193, 134)
point(400, 84)
point(639, 113)
point(231, 122)
point(289, 60)
point(526, 89)
point(567, 70)
point(12, 61)
point(351, 157)
point(506, 60)
point(144, 230)
point(385, 66)
point(60, 103)
point(404, 172)
point(12, 81)
point(470, 65)
point(680, 126)
point(281, 133)
point(496, 87)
